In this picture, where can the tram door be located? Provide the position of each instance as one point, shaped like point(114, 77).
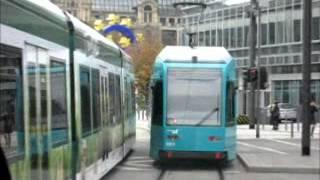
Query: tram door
point(104, 113)
point(37, 104)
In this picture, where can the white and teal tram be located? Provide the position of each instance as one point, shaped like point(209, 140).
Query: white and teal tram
point(66, 93)
point(193, 104)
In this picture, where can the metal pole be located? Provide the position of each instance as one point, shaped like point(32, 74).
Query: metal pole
point(252, 56)
point(259, 73)
point(292, 130)
point(306, 76)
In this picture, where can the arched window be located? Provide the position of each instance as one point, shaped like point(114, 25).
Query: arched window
point(147, 14)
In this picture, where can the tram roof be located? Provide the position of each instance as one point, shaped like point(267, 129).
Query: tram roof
point(55, 11)
point(186, 53)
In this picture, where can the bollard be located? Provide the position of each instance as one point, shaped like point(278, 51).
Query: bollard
point(298, 126)
point(292, 132)
point(286, 125)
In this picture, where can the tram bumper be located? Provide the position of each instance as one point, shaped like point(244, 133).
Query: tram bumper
point(192, 155)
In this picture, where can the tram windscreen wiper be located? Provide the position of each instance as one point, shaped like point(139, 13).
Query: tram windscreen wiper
point(206, 117)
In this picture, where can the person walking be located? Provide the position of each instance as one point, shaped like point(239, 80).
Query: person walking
point(313, 109)
point(4, 168)
point(275, 114)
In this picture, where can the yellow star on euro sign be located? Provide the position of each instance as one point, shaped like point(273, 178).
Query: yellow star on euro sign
point(126, 22)
point(124, 42)
point(98, 24)
point(109, 37)
point(140, 37)
point(113, 19)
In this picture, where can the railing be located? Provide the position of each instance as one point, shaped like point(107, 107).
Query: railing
point(142, 115)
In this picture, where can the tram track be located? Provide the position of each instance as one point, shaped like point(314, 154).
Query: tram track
point(220, 173)
point(163, 175)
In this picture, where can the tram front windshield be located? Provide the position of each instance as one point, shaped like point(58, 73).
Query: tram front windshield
point(193, 96)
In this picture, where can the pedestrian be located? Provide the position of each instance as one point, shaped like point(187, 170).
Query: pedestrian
point(4, 169)
point(9, 121)
point(313, 108)
point(275, 114)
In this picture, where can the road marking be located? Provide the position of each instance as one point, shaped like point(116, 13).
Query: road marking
point(290, 143)
point(262, 148)
point(131, 168)
point(140, 157)
point(231, 172)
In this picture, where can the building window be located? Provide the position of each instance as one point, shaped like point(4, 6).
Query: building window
point(239, 35)
point(219, 37)
point(207, 38)
point(246, 36)
point(163, 21)
point(271, 33)
point(233, 37)
point(213, 38)
point(226, 38)
point(315, 28)
point(171, 21)
point(297, 30)
point(147, 14)
point(279, 33)
point(264, 34)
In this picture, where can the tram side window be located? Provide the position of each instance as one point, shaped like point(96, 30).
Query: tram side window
point(111, 99)
point(117, 99)
point(11, 108)
point(157, 104)
point(95, 84)
point(230, 104)
point(85, 100)
point(106, 103)
point(59, 127)
point(133, 98)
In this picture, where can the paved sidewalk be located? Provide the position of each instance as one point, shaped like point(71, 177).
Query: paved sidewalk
point(281, 156)
point(243, 131)
point(284, 132)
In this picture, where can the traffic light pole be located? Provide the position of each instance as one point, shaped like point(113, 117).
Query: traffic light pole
point(259, 72)
point(305, 96)
point(252, 56)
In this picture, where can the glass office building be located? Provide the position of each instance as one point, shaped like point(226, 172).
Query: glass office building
point(227, 25)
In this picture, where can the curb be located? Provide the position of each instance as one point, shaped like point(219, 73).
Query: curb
point(143, 128)
point(277, 169)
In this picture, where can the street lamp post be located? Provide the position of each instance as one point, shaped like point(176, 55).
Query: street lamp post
point(305, 96)
point(258, 10)
point(252, 57)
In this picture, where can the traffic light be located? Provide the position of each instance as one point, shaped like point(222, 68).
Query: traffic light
point(245, 75)
point(250, 74)
point(253, 74)
point(263, 77)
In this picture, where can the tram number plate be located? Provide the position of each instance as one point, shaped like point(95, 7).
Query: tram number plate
point(170, 144)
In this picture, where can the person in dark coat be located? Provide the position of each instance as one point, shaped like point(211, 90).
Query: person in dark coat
point(313, 109)
point(275, 115)
point(4, 169)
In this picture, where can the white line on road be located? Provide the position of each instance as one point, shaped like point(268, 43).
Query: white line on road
point(131, 168)
point(231, 172)
point(262, 148)
point(140, 157)
point(291, 144)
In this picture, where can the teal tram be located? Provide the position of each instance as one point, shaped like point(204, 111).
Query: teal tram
point(66, 93)
point(193, 104)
